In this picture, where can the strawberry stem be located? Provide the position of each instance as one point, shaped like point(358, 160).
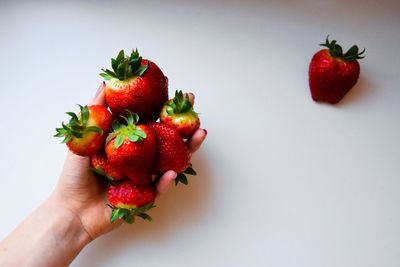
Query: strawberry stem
point(179, 104)
point(128, 215)
point(181, 178)
point(129, 130)
point(336, 50)
point(100, 172)
point(77, 126)
point(125, 67)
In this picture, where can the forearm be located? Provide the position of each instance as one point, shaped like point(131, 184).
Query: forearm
point(50, 236)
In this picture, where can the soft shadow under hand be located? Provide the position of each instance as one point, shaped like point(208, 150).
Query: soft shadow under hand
point(180, 206)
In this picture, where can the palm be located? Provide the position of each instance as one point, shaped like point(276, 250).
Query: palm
point(85, 193)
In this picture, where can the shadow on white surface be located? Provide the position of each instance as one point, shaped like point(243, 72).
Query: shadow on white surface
point(228, 51)
point(181, 206)
point(361, 92)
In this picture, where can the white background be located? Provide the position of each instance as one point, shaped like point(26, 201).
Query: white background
point(283, 181)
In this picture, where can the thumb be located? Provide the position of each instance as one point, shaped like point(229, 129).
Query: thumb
point(165, 182)
point(99, 98)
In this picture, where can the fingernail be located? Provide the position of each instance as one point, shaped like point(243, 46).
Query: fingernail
point(205, 132)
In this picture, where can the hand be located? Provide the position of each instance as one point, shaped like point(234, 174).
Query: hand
point(75, 214)
point(84, 195)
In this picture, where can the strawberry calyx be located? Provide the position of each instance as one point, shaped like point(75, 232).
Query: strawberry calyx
point(179, 104)
point(181, 177)
point(129, 130)
point(125, 67)
point(336, 51)
point(128, 214)
point(77, 126)
point(101, 172)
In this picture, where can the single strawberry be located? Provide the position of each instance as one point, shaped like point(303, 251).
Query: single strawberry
point(128, 200)
point(85, 133)
point(102, 166)
point(332, 74)
point(172, 154)
point(178, 113)
point(135, 84)
point(132, 148)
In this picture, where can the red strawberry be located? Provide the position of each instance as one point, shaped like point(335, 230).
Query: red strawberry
point(131, 148)
point(173, 153)
point(86, 132)
point(103, 167)
point(135, 84)
point(332, 74)
point(128, 200)
point(178, 113)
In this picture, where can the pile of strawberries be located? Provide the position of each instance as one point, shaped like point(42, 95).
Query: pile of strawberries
point(125, 142)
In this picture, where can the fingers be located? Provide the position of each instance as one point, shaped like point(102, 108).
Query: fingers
point(165, 182)
point(196, 140)
point(191, 98)
point(194, 144)
point(99, 99)
point(198, 137)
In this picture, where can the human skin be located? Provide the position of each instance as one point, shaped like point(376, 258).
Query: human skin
point(74, 214)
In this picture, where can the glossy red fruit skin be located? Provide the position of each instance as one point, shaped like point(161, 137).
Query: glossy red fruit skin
point(92, 142)
point(102, 164)
point(134, 159)
point(173, 153)
point(144, 95)
point(129, 195)
point(330, 78)
point(185, 124)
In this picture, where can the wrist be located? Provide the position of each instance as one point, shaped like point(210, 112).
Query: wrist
point(66, 225)
point(63, 231)
point(51, 236)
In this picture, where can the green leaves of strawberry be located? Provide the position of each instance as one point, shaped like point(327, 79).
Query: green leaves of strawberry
point(128, 215)
point(125, 67)
point(119, 213)
point(102, 173)
point(181, 177)
point(130, 131)
point(179, 104)
point(77, 126)
point(336, 50)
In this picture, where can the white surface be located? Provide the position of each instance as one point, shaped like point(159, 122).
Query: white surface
point(283, 181)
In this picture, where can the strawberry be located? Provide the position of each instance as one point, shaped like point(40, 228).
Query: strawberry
point(178, 113)
point(172, 154)
point(135, 84)
point(86, 132)
point(332, 74)
point(102, 166)
point(131, 148)
point(128, 200)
